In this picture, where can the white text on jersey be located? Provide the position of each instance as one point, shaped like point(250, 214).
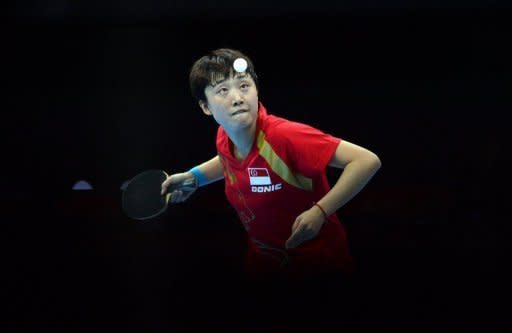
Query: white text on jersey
point(267, 188)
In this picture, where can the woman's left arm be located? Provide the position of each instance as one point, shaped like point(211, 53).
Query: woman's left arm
point(359, 166)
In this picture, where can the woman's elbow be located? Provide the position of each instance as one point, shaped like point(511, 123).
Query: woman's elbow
point(374, 161)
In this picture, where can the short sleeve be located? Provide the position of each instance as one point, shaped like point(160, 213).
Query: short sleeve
point(309, 149)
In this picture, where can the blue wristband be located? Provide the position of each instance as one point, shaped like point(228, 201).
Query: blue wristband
point(201, 178)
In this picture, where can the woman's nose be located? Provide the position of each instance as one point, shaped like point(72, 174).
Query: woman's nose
point(237, 99)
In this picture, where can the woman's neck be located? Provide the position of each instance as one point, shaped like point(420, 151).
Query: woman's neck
point(242, 141)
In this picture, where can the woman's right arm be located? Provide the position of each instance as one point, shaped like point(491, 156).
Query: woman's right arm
point(209, 172)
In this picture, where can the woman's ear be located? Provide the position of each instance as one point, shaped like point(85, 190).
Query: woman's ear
point(204, 107)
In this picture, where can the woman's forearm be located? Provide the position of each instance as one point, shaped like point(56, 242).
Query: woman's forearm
point(352, 180)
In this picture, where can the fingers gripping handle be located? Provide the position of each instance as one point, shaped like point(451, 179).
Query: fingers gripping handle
point(188, 184)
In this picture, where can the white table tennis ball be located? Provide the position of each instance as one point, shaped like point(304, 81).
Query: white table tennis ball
point(240, 65)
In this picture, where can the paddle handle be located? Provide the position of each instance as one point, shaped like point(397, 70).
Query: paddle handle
point(188, 184)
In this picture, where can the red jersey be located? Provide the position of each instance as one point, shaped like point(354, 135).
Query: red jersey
point(281, 177)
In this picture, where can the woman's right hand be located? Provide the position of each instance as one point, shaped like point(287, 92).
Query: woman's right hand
point(180, 195)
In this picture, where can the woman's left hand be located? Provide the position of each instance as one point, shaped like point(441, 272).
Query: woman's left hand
point(306, 226)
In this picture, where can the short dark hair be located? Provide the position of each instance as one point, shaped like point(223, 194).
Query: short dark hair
point(216, 65)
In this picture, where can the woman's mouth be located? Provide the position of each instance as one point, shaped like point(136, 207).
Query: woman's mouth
point(239, 112)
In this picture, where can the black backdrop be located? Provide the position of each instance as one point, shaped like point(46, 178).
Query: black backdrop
point(99, 93)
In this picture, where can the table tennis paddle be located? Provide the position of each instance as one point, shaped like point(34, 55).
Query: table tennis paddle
point(142, 198)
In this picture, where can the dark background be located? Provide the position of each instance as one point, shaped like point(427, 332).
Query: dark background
point(99, 92)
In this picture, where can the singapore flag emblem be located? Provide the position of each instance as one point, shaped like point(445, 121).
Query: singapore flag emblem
point(259, 176)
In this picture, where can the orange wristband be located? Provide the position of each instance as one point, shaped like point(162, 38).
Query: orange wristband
point(323, 211)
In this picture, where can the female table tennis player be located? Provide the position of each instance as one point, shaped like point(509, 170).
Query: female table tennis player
point(274, 171)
